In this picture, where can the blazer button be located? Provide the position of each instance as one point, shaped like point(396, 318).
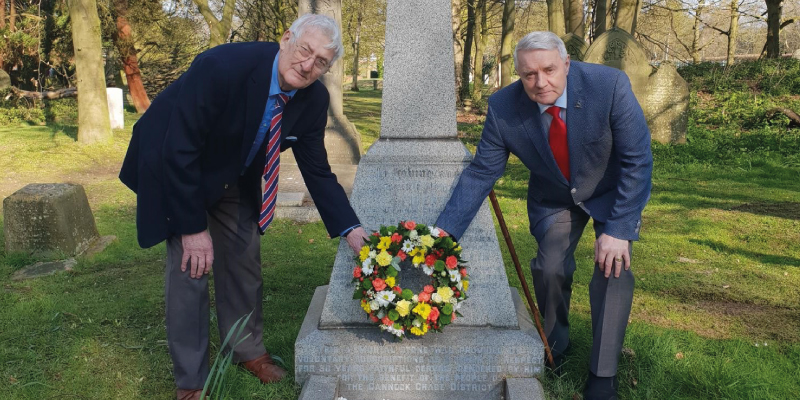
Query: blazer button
point(573, 191)
point(579, 203)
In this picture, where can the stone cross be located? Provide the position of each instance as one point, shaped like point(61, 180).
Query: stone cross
point(408, 174)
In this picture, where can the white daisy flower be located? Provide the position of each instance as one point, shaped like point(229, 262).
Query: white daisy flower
point(415, 299)
point(366, 267)
point(435, 232)
point(427, 270)
point(407, 246)
point(460, 286)
point(454, 275)
point(374, 305)
point(384, 297)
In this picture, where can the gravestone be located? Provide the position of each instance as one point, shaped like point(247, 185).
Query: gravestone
point(796, 54)
point(617, 48)
point(48, 218)
point(408, 174)
point(5, 80)
point(114, 97)
point(666, 105)
point(342, 141)
point(576, 46)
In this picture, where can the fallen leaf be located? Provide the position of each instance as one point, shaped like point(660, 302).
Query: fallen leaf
point(687, 260)
point(726, 286)
point(634, 382)
point(679, 356)
point(310, 240)
point(785, 274)
point(627, 351)
point(12, 379)
point(299, 231)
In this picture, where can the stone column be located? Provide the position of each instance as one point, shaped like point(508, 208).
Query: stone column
point(408, 174)
point(342, 140)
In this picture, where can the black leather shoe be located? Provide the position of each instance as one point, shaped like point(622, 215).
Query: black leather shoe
point(600, 388)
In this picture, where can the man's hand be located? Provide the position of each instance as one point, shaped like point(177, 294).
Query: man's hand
point(442, 232)
point(198, 252)
point(612, 253)
point(356, 239)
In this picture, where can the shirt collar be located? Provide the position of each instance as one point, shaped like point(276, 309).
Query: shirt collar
point(561, 101)
point(274, 86)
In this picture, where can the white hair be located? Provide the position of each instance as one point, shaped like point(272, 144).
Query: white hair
point(541, 40)
point(323, 24)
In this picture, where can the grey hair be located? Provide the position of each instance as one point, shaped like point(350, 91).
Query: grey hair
point(323, 24)
point(541, 40)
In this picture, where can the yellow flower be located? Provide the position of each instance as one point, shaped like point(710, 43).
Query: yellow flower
point(385, 243)
point(383, 258)
point(364, 253)
point(458, 248)
point(390, 281)
point(423, 310)
point(446, 293)
point(417, 331)
point(403, 307)
point(418, 259)
point(365, 306)
point(426, 240)
point(465, 284)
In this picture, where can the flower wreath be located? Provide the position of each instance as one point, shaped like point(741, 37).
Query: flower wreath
point(399, 310)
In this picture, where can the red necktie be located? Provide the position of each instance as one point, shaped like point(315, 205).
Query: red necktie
point(558, 140)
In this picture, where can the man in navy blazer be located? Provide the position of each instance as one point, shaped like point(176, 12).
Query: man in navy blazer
point(601, 169)
point(197, 162)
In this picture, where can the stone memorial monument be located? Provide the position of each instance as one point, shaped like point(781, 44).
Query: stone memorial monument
point(5, 80)
point(408, 174)
point(617, 48)
point(666, 105)
point(576, 46)
point(342, 140)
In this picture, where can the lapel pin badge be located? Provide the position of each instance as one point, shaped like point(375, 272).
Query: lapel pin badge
point(578, 105)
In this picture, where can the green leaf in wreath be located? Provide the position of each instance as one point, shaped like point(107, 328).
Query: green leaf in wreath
point(445, 319)
point(396, 263)
point(357, 295)
point(394, 315)
point(439, 266)
point(366, 284)
point(407, 294)
point(447, 309)
point(391, 272)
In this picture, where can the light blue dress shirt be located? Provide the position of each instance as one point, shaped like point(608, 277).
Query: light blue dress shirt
point(547, 119)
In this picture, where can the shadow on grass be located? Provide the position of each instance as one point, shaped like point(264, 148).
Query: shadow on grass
point(761, 257)
point(70, 131)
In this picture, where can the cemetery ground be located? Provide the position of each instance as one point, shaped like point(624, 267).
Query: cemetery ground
point(716, 312)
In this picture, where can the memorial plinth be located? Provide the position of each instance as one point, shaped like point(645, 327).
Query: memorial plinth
point(408, 174)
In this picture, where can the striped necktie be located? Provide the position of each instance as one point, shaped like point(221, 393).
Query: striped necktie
point(272, 165)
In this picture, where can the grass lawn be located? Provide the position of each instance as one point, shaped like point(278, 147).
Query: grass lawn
point(716, 312)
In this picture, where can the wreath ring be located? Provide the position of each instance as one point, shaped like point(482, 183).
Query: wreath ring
point(377, 283)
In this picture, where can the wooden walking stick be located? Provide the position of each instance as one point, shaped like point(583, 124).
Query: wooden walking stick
point(502, 221)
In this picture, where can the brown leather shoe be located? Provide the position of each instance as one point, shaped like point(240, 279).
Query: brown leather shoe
point(189, 394)
point(265, 369)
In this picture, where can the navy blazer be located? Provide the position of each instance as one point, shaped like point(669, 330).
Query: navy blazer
point(609, 155)
point(192, 143)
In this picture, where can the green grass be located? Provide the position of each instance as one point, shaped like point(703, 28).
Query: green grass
point(717, 269)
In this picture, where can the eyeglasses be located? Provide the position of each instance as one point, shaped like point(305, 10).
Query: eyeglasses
point(302, 53)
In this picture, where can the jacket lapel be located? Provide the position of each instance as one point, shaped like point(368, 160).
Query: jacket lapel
point(576, 119)
point(531, 120)
point(294, 108)
point(257, 94)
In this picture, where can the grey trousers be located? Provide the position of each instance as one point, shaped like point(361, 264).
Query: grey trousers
point(610, 298)
point(237, 286)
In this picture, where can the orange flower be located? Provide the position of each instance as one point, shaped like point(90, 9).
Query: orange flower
point(451, 262)
point(357, 272)
point(410, 225)
point(379, 284)
point(430, 259)
point(434, 315)
point(428, 289)
point(424, 297)
point(396, 238)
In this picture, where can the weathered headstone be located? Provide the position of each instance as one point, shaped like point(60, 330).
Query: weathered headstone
point(48, 218)
point(576, 46)
point(408, 174)
point(796, 54)
point(115, 107)
point(342, 141)
point(666, 105)
point(5, 80)
point(617, 48)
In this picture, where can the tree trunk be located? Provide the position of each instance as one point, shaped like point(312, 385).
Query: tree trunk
point(773, 45)
point(627, 12)
point(696, 31)
point(481, 37)
point(220, 29)
point(123, 39)
point(457, 46)
point(2, 14)
point(94, 124)
point(555, 17)
point(467, 50)
point(356, 47)
point(602, 17)
point(573, 11)
point(12, 15)
point(506, 57)
point(733, 33)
